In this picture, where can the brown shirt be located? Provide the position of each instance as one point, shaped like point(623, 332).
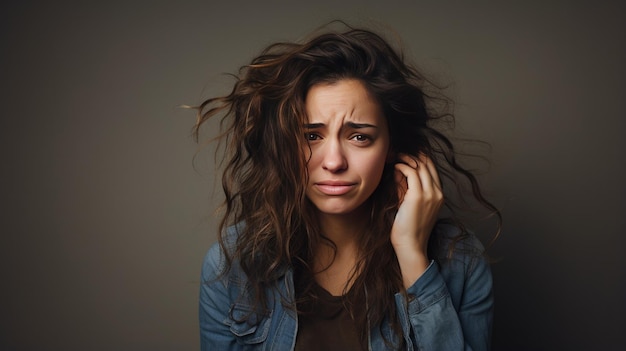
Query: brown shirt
point(325, 323)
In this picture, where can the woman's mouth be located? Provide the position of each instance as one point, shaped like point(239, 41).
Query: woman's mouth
point(333, 188)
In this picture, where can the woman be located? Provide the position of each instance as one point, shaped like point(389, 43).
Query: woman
point(332, 237)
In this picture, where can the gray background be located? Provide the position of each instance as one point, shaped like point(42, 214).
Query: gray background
point(105, 220)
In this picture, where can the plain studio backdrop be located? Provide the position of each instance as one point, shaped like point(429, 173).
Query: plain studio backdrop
point(105, 218)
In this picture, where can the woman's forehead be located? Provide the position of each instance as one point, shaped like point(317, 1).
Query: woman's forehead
point(341, 102)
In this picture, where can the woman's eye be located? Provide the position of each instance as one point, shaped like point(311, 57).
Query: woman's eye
point(361, 138)
point(311, 136)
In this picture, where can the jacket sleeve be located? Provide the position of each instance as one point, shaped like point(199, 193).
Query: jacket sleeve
point(215, 304)
point(449, 309)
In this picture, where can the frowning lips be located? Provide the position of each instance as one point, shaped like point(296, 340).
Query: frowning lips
point(334, 187)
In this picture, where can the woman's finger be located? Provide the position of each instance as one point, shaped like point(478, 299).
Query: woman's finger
point(430, 165)
point(412, 179)
point(409, 160)
point(401, 184)
point(426, 170)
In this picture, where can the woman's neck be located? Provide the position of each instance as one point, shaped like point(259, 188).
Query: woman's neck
point(335, 266)
point(344, 230)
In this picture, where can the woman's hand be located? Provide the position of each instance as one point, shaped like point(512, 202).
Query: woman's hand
point(419, 190)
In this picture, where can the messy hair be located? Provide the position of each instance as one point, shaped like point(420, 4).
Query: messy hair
point(265, 163)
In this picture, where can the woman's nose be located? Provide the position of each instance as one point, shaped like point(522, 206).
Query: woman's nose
point(334, 157)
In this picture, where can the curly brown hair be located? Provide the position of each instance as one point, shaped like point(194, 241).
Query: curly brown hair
point(265, 168)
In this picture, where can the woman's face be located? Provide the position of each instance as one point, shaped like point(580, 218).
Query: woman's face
point(349, 140)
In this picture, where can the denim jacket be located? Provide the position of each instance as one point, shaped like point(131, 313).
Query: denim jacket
point(449, 307)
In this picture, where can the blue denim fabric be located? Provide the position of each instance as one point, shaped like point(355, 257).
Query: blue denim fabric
point(450, 306)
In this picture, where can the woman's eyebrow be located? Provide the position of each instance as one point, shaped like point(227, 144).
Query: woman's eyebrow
point(360, 125)
point(351, 125)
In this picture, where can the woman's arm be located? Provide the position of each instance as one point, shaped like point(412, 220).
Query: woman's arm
point(450, 307)
point(214, 305)
point(419, 191)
